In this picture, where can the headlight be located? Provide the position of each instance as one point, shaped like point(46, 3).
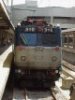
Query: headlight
point(23, 58)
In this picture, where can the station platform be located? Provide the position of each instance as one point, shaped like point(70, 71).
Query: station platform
point(5, 67)
point(65, 92)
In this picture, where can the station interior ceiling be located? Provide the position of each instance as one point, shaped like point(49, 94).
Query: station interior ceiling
point(11, 15)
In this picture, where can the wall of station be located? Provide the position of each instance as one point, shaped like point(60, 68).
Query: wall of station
point(63, 16)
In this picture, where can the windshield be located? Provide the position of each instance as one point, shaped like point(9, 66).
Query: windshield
point(38, 39)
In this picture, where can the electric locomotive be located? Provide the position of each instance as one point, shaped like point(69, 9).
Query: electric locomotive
point(37, 52)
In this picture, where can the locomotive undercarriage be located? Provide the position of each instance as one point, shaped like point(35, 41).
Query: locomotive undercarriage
point(35, 78)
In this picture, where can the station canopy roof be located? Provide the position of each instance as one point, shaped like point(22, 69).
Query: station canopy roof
point(5, 22)
point(48, 3)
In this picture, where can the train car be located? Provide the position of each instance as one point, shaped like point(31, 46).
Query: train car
point(37, 52)
point(68, 46)
point(68, 37)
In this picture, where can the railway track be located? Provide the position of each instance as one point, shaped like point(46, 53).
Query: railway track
point(13, 92)
point(32, 95)
point(58, 95)
point(68, 65)
point(24, 94)
point(52, 94)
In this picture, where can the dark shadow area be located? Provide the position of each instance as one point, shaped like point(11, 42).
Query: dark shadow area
point(9, 60)
point(3, 48)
